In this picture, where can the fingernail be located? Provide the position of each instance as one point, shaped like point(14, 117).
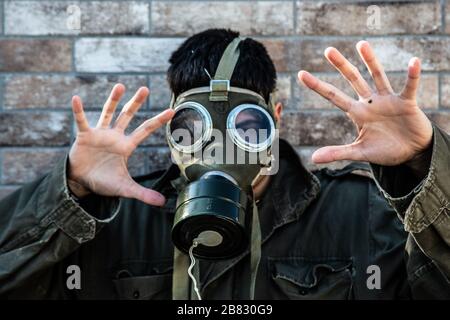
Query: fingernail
point(413, 61)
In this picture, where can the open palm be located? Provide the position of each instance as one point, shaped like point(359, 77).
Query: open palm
point(392, 129)
point(98, 157)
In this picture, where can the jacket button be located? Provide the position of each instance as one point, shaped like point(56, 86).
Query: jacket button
point(136, 294)
point(303, 292)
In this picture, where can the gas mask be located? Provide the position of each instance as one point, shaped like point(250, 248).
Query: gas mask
point(221, 138)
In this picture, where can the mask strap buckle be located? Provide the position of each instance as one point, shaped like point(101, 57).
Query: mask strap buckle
point(220, 85)
point(219, 90)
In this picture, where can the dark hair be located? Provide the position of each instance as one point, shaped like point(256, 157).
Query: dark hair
point(254, 70)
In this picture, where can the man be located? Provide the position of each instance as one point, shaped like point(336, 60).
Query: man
point(325, 235)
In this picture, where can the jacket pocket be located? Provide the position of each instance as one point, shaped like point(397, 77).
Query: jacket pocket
point(308, 279)
point(144, 281)
point(144, 288)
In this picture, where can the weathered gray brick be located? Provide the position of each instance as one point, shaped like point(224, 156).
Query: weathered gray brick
point(285, 53)
point(159, 92)
point(22, 166)
point(61, 17)
point(428, 92)
point(137, 163)
point(393, 53)
point(35, 55)
point(250, 18)
point(56, 91)
point(34, 129)
point(442, 119)
point(283, 90)
point(445, 91)
point(317, 128)
point(124, 54)
point(447, 17)
point(337, 18)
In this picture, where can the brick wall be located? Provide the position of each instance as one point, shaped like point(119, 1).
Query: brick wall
point(44, 60)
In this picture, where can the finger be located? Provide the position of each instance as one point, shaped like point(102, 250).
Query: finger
point(110, 106)
point(150, 125)
point(337, 153)
point(349, 71)
point(412, 83)
point(78, 113)
point(375, 68)
point(326, 90)
point(148, 196)
point(132, 106)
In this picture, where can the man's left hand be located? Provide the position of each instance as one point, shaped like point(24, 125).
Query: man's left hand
point(392, 129)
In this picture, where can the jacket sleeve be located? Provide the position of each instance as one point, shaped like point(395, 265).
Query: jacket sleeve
point(423, 206)
point(41, 224)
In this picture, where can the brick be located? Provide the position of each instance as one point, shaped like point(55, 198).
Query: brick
point(428, 94)
point(22, 166)
point(137, 163)
point(35, 55)
point(445, 91)
point(285, 53)
point(442, 119)
point(283, 90)
point(447, 17)
point(317, 128)
point(124, 54)
point(57, 17)
point(305, 154)
point(250, 18)
point(393, 53)
point(158, 159)
point(7, 190)
point(326, 18)
point(160, 92)
point(56, 91)
point(157, 138)
point(311, 58)
point(34, 129)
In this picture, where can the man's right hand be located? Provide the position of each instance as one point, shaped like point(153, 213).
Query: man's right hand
point(98, 157)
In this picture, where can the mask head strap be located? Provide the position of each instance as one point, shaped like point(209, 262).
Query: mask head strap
point(220, 84)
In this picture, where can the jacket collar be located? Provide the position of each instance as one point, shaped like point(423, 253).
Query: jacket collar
point(288, 194)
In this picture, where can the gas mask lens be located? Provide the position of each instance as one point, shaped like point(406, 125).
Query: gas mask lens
point(190, 127)
point(251, 127)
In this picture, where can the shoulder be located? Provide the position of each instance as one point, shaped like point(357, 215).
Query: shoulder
point(355, 170)
point(351, 184)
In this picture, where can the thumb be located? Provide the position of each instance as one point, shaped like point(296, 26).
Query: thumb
point(336, 153)
point(148, 196)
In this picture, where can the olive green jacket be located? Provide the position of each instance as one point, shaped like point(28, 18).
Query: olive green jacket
point(330, 234)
